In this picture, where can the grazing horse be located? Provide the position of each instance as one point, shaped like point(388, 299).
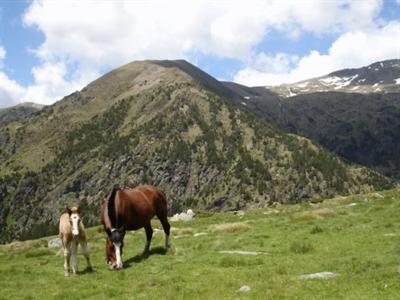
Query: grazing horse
point(72, 232)
point(132, 209)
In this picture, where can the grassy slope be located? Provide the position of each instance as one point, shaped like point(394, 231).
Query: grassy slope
point(298, 239)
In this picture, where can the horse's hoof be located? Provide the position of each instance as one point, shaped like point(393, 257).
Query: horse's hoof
point(89, 269)
point(66, 274)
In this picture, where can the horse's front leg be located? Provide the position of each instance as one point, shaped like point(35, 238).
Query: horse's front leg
point(67, 256)
point(74, 252)
point(110, 253)
point(85, 251)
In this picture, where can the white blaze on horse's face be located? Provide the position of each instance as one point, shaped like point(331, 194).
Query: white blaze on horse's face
point(118, 255)
point(75, 224)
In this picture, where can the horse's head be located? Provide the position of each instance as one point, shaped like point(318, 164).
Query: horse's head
point(74, 219)
point(114, 245)
point(117, 235)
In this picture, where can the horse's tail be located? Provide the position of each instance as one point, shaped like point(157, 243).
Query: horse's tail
point(162, 203)
point(110, 215)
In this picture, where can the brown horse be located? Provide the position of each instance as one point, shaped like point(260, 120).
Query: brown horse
point(132, 209)
point(72, 232)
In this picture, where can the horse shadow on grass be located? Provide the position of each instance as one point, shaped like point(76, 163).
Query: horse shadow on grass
point(140, 257)
point(85, 271)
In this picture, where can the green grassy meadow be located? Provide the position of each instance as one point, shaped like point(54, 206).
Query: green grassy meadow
point(360, 242)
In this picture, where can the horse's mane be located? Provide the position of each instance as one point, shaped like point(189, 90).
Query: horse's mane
point(110, 213)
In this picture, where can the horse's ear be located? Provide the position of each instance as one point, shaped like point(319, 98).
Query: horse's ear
point(68, 210)
point(79, 210)
point(108, 231)
point(121, 229)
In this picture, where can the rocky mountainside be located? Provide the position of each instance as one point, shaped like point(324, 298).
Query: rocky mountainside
point(364, 129)
point(379, 77)
point(164, 123)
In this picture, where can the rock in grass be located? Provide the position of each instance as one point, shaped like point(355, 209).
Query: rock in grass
point(239, 213)
point(320, 275)
point(199, 234)
point(389, 234)
point(244, 289)
point(274, 211)
point(242, 252)
point(183, 216)
point(54, 243)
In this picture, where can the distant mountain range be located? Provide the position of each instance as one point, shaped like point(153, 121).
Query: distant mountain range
point(380, 77)
point(209, 144)
point(362, 127)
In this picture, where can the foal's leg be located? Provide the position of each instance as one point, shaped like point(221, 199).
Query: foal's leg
point(85, 251)
point(166, 227)
point(74, 250)
point(67, 255)
point(149, 235)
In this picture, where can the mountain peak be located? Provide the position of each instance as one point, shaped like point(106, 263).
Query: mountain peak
point(197, 75)
point(140, 75)
point(383, 72)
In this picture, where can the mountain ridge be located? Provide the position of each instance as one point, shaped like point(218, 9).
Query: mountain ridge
point(18, 112)
point(378, 77)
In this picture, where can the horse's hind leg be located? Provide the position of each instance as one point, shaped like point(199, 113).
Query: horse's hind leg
point(74, 252)
point(85, 251)
point(166, 227)
point(149, 235)
point(162, 215)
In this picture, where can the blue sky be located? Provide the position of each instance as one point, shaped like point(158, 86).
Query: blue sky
point(49, 49)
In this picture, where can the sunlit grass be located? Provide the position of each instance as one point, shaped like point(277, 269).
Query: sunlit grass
point(359, 242)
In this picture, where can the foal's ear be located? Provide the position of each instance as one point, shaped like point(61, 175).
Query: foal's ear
point(79, 210)
point(68, 210)
point(108, 231)
point(121, 229)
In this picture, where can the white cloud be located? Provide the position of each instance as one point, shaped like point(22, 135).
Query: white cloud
point(116, 32)
point(50, 83)
point(352, 49)
point(10, 90)
point(93, 35)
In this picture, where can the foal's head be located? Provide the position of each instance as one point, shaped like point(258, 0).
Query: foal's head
point(74, 219)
